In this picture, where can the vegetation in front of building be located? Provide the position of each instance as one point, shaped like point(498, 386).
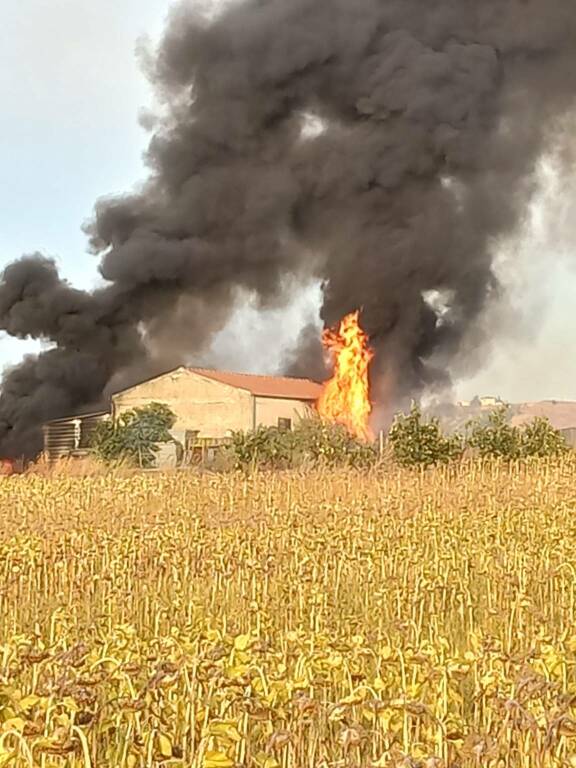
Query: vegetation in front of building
point(135, 436)
point(413, 440)
point(311, 442)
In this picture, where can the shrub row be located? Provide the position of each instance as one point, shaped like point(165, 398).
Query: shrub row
point(417, 441)
point(412, 440)
point(310, 442)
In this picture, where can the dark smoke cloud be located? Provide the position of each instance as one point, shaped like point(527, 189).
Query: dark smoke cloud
point(434, 117)
point(307, 359)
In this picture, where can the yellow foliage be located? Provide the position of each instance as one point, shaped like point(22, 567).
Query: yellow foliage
point(337, 619)
point(217, 760)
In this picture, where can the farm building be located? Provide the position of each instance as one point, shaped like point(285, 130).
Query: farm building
point(208, 405)
point(214, 403)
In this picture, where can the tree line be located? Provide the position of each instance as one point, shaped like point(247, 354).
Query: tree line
point(413, 440)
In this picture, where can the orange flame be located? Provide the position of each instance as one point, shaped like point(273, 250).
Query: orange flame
point(346, 397)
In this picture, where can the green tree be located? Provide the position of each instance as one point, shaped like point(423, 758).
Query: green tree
point(311, 442)
point(264, 446)
point(319, 441)
point(415, 441)
point(135, 435)
point(541, 439)
point(496, 437)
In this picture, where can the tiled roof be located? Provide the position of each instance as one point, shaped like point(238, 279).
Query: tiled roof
point(266, 386)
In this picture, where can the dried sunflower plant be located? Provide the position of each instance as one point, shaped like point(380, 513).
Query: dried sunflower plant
point(351, 618)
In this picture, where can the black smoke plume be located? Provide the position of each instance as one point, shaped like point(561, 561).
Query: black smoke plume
point(433, 117)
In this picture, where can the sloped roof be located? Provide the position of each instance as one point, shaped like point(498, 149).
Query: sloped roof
point(83, 414)
point(266, 386)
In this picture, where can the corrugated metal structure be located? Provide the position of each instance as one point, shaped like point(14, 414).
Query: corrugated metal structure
point(569, 434)
point(70, 436)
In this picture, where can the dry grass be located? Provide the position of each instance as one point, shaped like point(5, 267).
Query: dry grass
point(78, 466)
point(341, 619)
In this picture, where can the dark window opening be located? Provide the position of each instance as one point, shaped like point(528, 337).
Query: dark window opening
point(284, 425)
point(191, 438)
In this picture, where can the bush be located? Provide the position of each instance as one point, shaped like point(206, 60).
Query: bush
point(541, 439)
point(499, 438)
point(267, 446)
point(321, 442)
point(311, 442)
point(135, 435)
point(418, 442)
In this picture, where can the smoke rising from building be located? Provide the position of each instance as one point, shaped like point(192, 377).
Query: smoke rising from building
point(430, 120)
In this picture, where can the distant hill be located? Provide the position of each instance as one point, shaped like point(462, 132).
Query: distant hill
point(560, 413)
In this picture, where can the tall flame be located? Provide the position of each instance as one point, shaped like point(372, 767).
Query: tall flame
point(346, 397)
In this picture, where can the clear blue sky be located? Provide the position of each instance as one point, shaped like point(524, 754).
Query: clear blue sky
point(70, 93)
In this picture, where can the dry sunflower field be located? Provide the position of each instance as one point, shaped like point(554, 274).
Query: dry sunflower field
point(323, 620)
